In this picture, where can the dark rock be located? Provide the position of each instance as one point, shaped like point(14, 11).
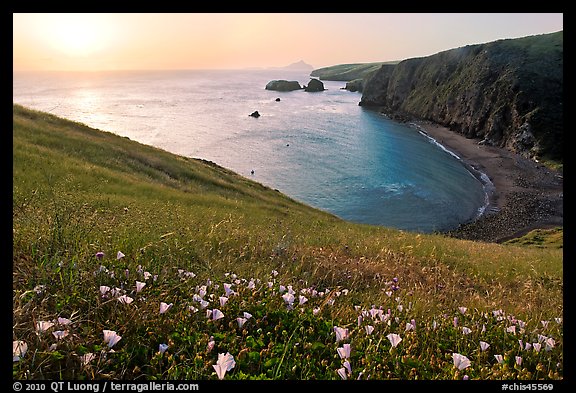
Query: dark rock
point(283, 85)
point(255, 114)
point(277, 99)
point(354, 85)
point(314, 85)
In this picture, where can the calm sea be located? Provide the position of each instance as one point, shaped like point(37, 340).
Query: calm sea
point(319, 148)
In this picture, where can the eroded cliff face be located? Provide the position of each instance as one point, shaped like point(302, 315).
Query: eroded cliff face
point(507, 93)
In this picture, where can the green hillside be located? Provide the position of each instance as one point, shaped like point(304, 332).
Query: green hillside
point(348, 72)
point(192, 232)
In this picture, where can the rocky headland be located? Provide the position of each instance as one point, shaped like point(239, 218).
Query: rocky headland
point(506, 93)
point(497, 105)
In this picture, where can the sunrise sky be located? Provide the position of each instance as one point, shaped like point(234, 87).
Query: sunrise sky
point(93, 42)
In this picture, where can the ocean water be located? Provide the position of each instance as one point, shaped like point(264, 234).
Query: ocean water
point(319, 148)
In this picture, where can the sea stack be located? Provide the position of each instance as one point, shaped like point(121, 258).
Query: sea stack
point(314, 85)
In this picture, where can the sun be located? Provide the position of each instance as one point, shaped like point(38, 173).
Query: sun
point(78, 35)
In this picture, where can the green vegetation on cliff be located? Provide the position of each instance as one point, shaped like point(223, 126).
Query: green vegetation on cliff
point(186, 261)
point(508, 92)
point(347, 72)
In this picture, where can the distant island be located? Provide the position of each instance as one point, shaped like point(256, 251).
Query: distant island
point(298, 66)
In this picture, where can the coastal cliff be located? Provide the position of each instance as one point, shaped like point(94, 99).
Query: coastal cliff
point(506, 93)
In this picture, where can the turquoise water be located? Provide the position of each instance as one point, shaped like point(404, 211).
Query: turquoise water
point(319, 148)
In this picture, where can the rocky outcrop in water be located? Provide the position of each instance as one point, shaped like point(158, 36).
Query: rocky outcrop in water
point(283, 85)
point(314, 85)
point(507, 93)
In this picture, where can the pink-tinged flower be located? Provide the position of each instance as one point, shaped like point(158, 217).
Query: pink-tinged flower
point(241, 321)
point(409, 326)
point(99, 255)
point(462, 310)
point(251, 285)
point(302, 300)
point(342, 373)
point(521, 324)
point(87, 358)
point(400, 307)
point(316, 310)
point(499, 359)
point(223, 300)
point(466, 330)
point(165, 307)
point(528, 347)
point(42, 326)
point(274, 273)
point(147, 275)
point(455, 322)
point(224, 363)
point(537, 347)
point(162, 348)
point(204, 303)
point(348, 367)
point(544, 324)
point(120, 255)
point(139, 286)
point(247, 315)
point(111, 338)
point(60, 334)
point(192, 309)
point(281, 288)
point(388, 293)
point(211, 344)
point(125, 299)
point(550, 343)
point(217, 314)
point(344, 351)
point(558, 320)
point(228, 289)
point(63, 321)
point(519, 360)
point(434, 325)
point(465, 378)
point(484, 346)
point(542, 338)
point(460, 361)
point(19, 349)
point(104, 289)
point(394, 339)
point(511, 329)
point(341, 333)
point(288, 298)
point(369, 329)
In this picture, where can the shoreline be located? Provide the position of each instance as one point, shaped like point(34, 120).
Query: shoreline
point(522, 195)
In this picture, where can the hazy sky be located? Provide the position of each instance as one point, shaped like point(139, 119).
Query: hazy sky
point(238, 40)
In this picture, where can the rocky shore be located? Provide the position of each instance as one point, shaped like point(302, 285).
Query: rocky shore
point(526, 195)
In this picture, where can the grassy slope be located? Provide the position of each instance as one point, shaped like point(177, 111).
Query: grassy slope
point(348, 72)
point(77, 191)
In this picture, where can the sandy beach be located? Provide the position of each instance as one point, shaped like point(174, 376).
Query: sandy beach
point(525, 195)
